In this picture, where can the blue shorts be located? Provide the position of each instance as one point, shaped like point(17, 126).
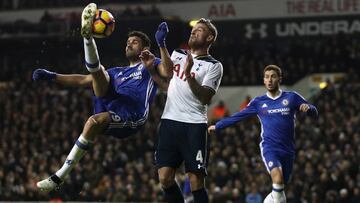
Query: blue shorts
point(183, 142)
point(124, 123)
point(275, 159)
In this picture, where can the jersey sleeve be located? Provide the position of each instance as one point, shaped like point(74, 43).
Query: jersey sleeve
point(173, 55)
point(157, 61)
point(301, 100)
point(176, 53)
point(213, 77)
point(250, 110)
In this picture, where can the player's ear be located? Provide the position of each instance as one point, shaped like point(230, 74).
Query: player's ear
point(280, 80)
point(210, 38)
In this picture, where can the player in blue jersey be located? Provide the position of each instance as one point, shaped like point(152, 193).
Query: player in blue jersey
point(276, 110)
point(122, 95)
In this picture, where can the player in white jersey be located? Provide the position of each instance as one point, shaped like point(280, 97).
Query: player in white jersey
point(195, 78)
point(276, 110)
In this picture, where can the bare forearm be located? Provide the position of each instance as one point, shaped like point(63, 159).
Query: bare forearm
point(203, 94)
point(76, 80)
point(166, 68)
point(161, 82)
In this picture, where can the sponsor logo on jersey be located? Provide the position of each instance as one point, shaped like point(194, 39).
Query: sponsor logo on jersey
point(135, 75)
point(264, 105)
point(270, 164)
point(283, 111)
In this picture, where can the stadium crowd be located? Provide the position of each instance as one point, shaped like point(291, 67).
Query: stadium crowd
point(41, 121)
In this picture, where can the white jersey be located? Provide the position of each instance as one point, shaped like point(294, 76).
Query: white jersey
point(181, 104)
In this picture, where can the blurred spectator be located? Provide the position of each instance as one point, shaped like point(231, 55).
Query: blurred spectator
point(253, 196)
point(245, 102)
point(219, 111)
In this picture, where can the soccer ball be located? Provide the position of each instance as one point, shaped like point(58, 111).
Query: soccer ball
point(104, 24)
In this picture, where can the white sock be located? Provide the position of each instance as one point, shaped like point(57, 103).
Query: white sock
point(92, 61)
point(278, 193)
point(268, 199)
point(77, 152)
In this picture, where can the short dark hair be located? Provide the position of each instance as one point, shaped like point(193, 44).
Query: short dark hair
point(275, 68)
point(145, 40)
point(210, 25)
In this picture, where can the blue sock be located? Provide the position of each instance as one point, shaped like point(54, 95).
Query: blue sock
point(173, 194)
point(200, 196)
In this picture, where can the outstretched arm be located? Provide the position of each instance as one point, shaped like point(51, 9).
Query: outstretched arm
point(76, 80)
point(233, 119)
point(165, 68)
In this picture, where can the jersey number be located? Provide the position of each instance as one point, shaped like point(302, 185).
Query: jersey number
point(181, 73)
point(115, 118)
point(199, 156)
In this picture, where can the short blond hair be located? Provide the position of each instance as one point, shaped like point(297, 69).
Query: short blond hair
point(210, 26)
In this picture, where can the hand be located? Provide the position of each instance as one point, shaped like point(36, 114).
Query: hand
point(212, 129)
point(188, 64)
point(161, 33)
point(148, 59)
point(304, 107)
point(42, 74)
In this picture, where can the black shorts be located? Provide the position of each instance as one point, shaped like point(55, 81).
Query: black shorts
point(183, 142)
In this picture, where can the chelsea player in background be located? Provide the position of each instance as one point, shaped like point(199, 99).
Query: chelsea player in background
point(122, 95)
point(276, 110)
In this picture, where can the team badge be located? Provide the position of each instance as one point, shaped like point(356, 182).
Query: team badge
point(285, 102)
point(198, 68)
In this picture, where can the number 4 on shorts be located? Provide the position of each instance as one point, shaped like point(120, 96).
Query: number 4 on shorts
point(199, 156)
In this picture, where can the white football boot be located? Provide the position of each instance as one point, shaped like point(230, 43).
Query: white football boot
point(87, 18)
point(51, 183)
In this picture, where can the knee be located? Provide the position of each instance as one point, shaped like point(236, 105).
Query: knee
point(277, 176)
point(166, 179)
point(196, 181)
point(97, 121)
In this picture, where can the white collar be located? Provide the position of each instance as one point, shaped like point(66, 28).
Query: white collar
point(276, 97)
point(136, 64)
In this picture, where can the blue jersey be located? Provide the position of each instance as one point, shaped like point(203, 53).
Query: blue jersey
point(130, 94)
point(277, 118)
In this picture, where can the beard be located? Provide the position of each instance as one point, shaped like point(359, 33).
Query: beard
point(131, 55)
point(195, 44)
